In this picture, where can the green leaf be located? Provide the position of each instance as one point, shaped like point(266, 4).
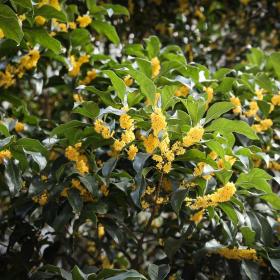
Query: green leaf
point(6, 141)
point(147, 86)
point(144, 66)
point(217, 109)
point(77, 274)
point(275, 61)
point(106, 29)
point(158, 272)
point(251, 269)
point(196, 109)
point(117, 82)
point(12, 176)
point(50, 12)
point(226, 85)
point(117, 9)
point(109, 166)
point(223, 125)
point(32, 145)
point(177, 200)
point(41, 36)
point(275, 264)
point(153, 46)
point(4, 130)
point(249, 235)
point(255, 178)
point(128, 275)
point(90, 183)
point(272, 199)
point(9, 24)
point(75, 200)
point(63, 129)
point(27, 4)
point(79, 37)
point(256, 56)
point(88, 109)
point(229, 210)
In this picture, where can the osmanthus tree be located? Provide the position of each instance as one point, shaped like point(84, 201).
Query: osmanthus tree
point(146, 167)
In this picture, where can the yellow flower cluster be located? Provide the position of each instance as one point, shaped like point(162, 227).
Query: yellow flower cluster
point(84, 20)
point(91, 75)
point(198, 170)
point(193, 136)
point(263, 125)
point(132, 151)
point(183, 91)
point(2, 35)
point(236, 102)
point(19, 127)
point(227, 159)
point(76, 184)
point(155, 67)
point(210, 93)
point(41, 199)
point(128, 80)
point(223, 194)
point(5, 154)
point(40, 20)
point(253, 109)
point(27, 62)
point(104, 189)
point(274, 165)
point(197, 217)
point(53, 3)
point(76, 64)
point(81, 161)
point(239, 254)
point(275, 100)
point(104, 130)
point(150, 143)
point(126, 123)
point(78, 98)
point(158, 121)
point(259, 93)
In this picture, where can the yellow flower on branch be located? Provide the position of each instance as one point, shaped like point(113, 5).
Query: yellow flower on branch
point(39, 20)
point(128, 80)
point(239, 254)
point(158, 121)
point(126, 122)
point(84, 20)
point(19, 127)
point(151, 143)
point(5, 154)
point(193, 136)
point(236, 102)
point(155, 67)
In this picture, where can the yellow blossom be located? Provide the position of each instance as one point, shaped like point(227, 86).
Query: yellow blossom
point(144, 204)
point(102, 129)
point(72, 153)
point(72, 25)
point(263, 125)
point(183, 91)
point(229, 159)
point(2, 35)
point(166, 167)
point(223, 194)
point(151, 143)
point(253, 109)
point(82, 164)
point(41, 199)
point(126, 122)
point(84, 20)
point(22, 17)
point(275, 100)
point(128, 80)
point(149, 190)
point(238, 254)
point(104, 189)
point(118, 145)
point(30, 60)
point(7, 78)
point(128, 136)
point(210, 93)
point(193, 136)
point(101, 231)
point(19, 127)
point(198, 170)
point(178, 149)
point(155, 67)
point(236, 102)
point(158, 121)
point(259, 93)
point(91, 75)
point(78, 98)
point(39, 20)
point(197, 217)
point(132, 151)
point(76, 64)
point(5, 154)
point(53, 3)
